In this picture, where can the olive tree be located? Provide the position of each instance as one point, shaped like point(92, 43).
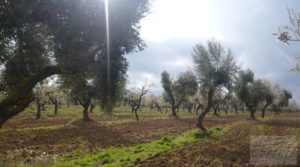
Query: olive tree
point(234, 103)
point(177, 91)
point(269, 97)
point(134, 98)
point(215, 68)
point(281, 99)
point(82, 90)
point(55, 95)
point(252, 92)
point(155, 102)
point(40, 98)
point(44, 38)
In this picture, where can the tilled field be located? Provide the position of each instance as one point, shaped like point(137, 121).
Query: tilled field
point(232, 148)
point(76, 139)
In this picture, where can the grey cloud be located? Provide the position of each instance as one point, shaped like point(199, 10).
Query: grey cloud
point(244, 26)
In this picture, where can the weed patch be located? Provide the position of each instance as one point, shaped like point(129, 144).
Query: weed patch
point(126, 156)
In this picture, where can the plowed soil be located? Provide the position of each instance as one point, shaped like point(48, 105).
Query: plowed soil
point(230, 149)
point(79, 138)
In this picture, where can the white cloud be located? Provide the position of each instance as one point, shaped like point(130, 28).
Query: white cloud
point(177, 19)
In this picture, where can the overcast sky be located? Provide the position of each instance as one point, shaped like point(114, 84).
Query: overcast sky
point(173, 28)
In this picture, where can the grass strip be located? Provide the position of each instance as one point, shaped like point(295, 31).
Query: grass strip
point(127, 156)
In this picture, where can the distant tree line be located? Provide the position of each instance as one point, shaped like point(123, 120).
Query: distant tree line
point(218, 83)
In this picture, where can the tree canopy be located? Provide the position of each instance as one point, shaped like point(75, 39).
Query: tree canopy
point(215, 68)
point(177, 91)
point(41, 38)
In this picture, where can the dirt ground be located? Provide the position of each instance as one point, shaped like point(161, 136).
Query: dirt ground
point(27, 140)
point(73, 139)
point(231, 148)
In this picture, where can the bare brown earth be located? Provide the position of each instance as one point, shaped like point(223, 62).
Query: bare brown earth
point(61, 136)
point(229, 149)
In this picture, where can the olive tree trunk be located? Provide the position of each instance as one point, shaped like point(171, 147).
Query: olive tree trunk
point(38, 110)
point(85, 103)
point(207, 109)
point(22, 95)
point(136, 115)
point(252, 110)
point(173, 109)
point(85, 113)
point(55, 108)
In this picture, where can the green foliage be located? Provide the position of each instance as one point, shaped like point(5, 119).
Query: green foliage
point(186, 84)
point(283, 98)
point(256, 92)
point(78, 87)
point(214, 65)
point(244, 77)
point(31, 55)
point(179, 90)
point(253, 92)
point(127, 156)
point(72, 36)
point(167, 86)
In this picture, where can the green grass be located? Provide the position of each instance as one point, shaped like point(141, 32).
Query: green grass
point(126, 156)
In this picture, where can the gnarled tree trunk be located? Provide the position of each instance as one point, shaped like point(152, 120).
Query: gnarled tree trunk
point(207, 109)
point(22, 95)
point(85, 114)
point(55, 103)
point(252, 110)
point(173, 109)
point(85, 103)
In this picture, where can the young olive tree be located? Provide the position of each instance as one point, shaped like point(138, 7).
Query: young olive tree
point(55, 95)
point(177, 91)
point(40, 98)
point(215, 68)
point(134, 98)
point(155, 102)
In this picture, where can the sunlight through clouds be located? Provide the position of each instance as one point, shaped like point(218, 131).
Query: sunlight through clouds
point(177, 19)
